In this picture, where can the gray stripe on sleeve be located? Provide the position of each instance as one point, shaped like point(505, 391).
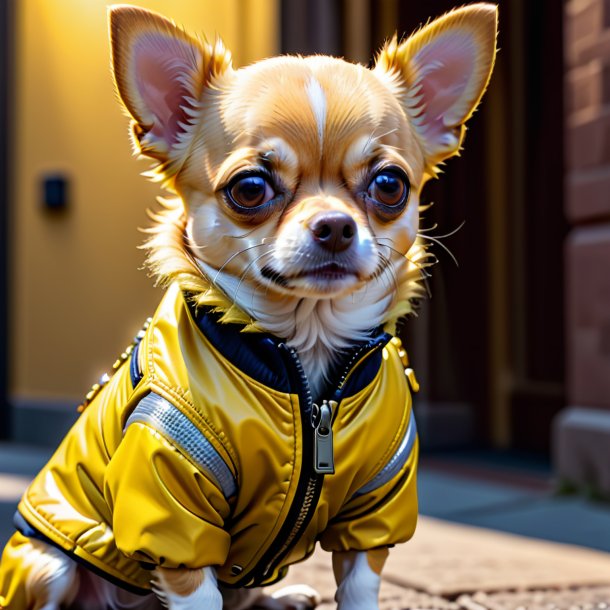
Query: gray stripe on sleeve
point(396, 463)
point(161, 415)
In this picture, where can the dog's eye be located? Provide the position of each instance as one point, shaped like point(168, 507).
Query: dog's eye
point(389, 187)
point(250, 191)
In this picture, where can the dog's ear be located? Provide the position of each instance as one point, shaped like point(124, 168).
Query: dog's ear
point(440, 74)
point(160, 73)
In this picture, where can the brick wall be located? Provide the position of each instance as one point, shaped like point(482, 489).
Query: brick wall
point(582, 431)
point(587, 58)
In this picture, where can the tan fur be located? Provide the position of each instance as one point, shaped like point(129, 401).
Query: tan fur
point(279, 123)
point(167, 257)
point(208, 61)
point(180, 581)
point(343, 562)
point(376, 559)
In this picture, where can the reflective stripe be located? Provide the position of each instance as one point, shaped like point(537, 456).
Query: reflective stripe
point(160, 414)
point(396, 463)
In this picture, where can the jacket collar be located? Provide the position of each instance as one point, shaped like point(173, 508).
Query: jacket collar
point(262, 355)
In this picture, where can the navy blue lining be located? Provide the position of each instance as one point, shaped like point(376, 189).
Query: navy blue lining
point(258, 354)
point(365, 373)
point(134, 366)
point(26, 529)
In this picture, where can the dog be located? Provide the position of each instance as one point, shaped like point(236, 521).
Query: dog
point(266, 406)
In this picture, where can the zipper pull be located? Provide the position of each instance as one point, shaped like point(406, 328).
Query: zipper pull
point(322, 421)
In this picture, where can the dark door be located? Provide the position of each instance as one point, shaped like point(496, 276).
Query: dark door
point(496, 322)
point(493, 340)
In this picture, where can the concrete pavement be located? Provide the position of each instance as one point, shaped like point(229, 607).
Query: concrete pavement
point(454, 567)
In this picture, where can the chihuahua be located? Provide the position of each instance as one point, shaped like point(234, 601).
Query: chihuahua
point(266, 406)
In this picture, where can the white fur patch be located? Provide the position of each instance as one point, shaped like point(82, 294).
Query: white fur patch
point(360, 588)
point(317, 98)
point(52, 577)
point(206, 596)
point(299, 593)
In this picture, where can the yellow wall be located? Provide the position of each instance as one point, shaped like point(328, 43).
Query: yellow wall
point(77, 293)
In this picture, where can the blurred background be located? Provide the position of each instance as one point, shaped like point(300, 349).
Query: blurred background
point(512, 349)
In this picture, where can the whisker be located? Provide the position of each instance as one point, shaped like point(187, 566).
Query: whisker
point(421, 267)
point(437, 238)
point(235, 256)
point(372, 137)
point(298, 255)
point(190, 240)
point(458, 228)
point(388, 262)
point(442, 245)
point(247, 234)
point(248, 267)
point(388, 266)
point(378, 239)
point(393, 250)
point(382, 135)
point(434, 226)
point(425, 276)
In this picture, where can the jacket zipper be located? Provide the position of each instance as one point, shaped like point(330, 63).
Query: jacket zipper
point(323, 416)
point(317, 461)
point(310, 481)
point(322, 422)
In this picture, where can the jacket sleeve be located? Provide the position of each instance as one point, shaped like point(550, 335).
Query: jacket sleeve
point(384, 511)
point(168, 504)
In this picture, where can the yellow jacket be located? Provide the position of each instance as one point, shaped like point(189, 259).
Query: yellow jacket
point(200, 451)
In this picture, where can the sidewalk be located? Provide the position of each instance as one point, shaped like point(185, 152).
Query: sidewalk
point(450, 564)
point(455, 567)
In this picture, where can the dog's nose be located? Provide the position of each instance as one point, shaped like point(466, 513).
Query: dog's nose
point(334, 231)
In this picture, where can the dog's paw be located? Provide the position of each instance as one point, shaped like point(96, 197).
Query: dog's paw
point(295, 597)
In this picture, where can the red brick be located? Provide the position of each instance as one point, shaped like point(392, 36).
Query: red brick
point(588, 194)
point(584, 87)
point(590, 48)
point(583, 16)
point(588, 316)
point(584, 21)
point(588, 139)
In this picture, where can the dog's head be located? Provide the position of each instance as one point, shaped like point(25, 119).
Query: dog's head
point(301, 177)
